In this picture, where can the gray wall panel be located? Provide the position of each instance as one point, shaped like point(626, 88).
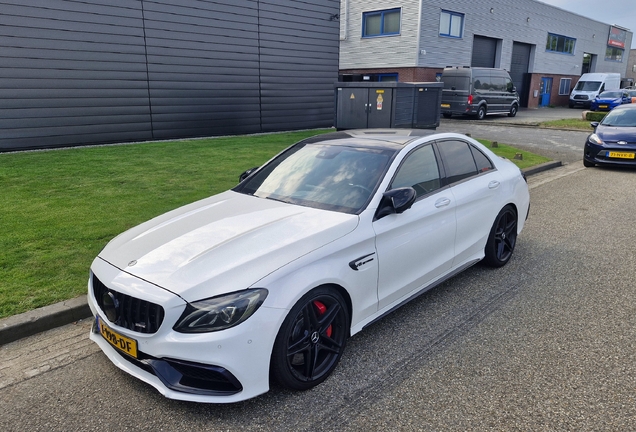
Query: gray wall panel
point(74, 72)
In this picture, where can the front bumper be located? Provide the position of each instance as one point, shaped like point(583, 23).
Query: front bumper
point(600, 154)
point(218, 367)
point(581, 103)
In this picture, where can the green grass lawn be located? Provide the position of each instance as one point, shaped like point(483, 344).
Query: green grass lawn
point(59, 208)
point(579, 124)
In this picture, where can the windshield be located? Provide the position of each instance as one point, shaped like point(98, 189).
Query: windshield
point(610, 95)
point(620, 118)
point(587, 85)
point(330, 177)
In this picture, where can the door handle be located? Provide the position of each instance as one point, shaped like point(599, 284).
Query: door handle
point(442, 202)
point(493, 184)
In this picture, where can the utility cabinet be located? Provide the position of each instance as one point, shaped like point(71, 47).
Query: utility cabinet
point(361, 105)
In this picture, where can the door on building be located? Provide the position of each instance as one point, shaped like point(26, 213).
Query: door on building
point(519, 67)
point(546, 88)
point(587, 63)
point(484, 52)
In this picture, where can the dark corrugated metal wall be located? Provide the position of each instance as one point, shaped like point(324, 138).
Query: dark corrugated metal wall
point(77, 73)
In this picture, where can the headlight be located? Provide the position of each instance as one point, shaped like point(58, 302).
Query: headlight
point(220, 313)
point(594, 139)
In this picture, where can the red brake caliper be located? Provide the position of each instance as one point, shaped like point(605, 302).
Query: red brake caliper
point(321, 311)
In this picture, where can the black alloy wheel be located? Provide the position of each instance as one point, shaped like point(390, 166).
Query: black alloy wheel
point(311, 340)
point(502, 239)
point(513, 111)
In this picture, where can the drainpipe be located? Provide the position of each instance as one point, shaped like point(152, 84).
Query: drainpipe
point(345, 21)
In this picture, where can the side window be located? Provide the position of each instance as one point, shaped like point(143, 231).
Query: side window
point(458, 160)
point(498, 83)
point(419, 170)
point(480, 82)
point(483, 163)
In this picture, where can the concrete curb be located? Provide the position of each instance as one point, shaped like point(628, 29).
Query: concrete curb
point(56, 315)
point(44, 318)
point(541, 167)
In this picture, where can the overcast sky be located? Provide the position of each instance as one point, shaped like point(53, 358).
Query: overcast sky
point(619, 12)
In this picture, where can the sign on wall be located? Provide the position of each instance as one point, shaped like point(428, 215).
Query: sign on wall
point(617, 37)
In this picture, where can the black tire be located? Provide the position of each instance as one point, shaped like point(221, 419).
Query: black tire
point(447, 115)
point(502, 238)
point(481, 113)
point(311, 340)
point(513, 110)
point(588, 164)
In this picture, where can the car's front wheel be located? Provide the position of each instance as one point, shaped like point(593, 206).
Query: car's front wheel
point(311, 340)
point(502, 238)
point(513, 111)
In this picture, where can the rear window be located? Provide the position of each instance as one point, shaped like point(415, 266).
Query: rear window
point(455, 82)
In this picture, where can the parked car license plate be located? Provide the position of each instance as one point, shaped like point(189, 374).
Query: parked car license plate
point(620, 155)
point(602, 106)
point(445, 105)
point(122, 343)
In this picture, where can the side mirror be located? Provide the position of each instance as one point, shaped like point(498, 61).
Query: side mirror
point(247, 173)
point(594, 124)
point(396, 201)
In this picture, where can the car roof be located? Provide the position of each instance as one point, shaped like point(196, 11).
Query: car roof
point(393, 139)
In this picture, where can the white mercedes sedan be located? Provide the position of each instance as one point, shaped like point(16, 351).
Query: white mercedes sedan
point(266, 281)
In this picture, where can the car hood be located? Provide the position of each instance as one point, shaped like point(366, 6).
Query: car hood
point(224, 243)
point(612, 134)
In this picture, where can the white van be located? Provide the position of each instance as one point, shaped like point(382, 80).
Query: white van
point(592, 84)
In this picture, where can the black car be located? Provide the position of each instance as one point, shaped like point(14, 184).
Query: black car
point(614, 139)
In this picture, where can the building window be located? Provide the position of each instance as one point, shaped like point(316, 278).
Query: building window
point(388, 77)
point(560, 44)
point(564, 86)
point(614, 54)
point(451, 24)
point(381, 23)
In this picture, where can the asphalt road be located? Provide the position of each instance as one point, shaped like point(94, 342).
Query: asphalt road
point(545, 343)
point(563, 145)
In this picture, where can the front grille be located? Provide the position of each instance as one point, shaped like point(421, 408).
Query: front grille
point(581, 97)
point(132, 313)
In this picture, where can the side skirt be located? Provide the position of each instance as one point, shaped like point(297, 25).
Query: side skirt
point(423, 290)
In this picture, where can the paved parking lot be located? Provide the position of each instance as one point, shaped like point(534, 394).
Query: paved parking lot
point(525, 116)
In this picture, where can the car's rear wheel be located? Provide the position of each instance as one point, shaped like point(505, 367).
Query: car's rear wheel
point(481, 113)
point(447, 115)
point(502, 238)
point(311, 340)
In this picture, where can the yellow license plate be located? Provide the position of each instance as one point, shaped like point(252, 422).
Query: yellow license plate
point(445, 105)
point(602, 106)
point(122, 343)
point(621, 155)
